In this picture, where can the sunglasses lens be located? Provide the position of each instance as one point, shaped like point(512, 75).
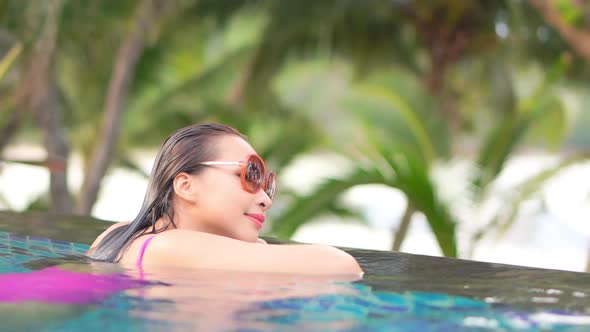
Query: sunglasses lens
point(270, 184)
point(254, 173)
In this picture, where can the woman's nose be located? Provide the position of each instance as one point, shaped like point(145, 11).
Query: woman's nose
point(265, 201)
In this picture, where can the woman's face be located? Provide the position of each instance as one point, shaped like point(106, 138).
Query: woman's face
point(222, 206)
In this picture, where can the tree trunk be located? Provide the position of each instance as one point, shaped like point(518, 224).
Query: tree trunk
point(36, 93)
point(404, 225)
point(48, 117)
point(11, 127)
point(578, 39)
point(446, 38)
point(147, 13)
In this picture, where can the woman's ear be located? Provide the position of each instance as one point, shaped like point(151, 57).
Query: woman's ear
point(184, 186)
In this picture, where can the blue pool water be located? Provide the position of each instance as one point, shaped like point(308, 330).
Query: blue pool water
point(400, 300)
point(17, 250)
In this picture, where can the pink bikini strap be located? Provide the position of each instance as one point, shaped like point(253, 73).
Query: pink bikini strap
point(142, 250)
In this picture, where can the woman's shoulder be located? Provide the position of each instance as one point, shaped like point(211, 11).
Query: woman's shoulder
point(171, 247)
point(107, 231)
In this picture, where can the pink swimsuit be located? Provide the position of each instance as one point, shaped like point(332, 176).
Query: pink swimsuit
point(142, 251)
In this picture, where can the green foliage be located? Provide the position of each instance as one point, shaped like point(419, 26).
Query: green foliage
point(400, 113)
point(351, 76)
point(401, 138)
point(413, 179)
point(570, 12)
point(321, 201)
point(40, 203)
point(541, 115)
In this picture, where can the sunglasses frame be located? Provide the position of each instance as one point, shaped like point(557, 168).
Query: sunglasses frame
point(244, 182)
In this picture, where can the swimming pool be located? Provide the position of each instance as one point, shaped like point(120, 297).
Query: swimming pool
point(400, 292)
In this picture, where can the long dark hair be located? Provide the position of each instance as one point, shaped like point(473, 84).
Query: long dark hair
point(182, 151)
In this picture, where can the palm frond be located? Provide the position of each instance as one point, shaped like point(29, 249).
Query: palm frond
point(386, 110)
point(413, 179)
point(318, 202)
point(9, 59)
point(502, 140)
point(369, 33)
point(201, 80)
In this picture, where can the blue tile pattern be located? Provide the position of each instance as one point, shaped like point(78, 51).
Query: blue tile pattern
point(17, 250)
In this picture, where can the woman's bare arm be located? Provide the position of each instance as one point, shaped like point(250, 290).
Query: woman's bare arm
point(207, 251)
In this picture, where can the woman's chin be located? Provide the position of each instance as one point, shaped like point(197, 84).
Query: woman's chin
point(250, 237)
point(245, 236)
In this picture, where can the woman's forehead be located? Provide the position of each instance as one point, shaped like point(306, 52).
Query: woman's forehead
point(234, 148)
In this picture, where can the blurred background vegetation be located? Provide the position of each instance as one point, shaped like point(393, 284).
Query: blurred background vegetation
point(396, 89)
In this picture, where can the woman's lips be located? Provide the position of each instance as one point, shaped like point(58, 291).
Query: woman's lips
point(257, 218)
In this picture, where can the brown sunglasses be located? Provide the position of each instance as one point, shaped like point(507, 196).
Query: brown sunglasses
point(253, 174)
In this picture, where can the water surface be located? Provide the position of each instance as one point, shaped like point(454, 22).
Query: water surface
point(399, 292)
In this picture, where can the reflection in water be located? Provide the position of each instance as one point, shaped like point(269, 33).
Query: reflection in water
point(211, 299)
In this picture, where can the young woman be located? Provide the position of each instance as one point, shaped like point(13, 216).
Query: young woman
point(205, 204)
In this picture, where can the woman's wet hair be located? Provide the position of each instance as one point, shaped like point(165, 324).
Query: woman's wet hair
point(182, 151)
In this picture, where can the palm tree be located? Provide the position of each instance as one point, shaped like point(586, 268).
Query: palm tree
point(176, 82)
point(405, 140)
point(35, 92)
point(146, 15)
point(407, 94)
